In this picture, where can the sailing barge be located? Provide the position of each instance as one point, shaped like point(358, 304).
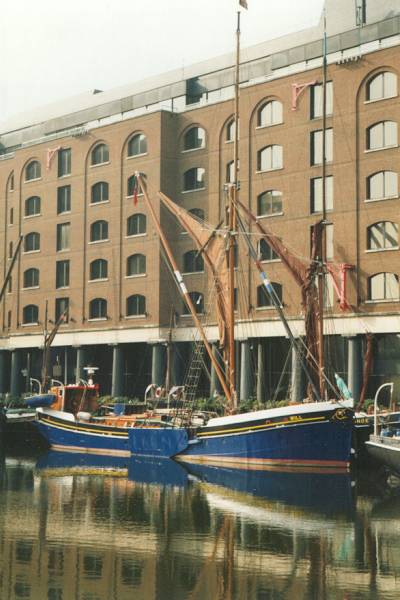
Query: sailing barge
point(312, 434)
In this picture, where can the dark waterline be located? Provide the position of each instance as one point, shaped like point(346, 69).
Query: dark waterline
point(74, 527)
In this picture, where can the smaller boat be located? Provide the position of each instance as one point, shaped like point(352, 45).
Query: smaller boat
point(384, 443)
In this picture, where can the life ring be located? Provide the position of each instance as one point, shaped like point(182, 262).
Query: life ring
point(158, 392)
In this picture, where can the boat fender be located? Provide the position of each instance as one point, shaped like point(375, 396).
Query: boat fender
point(83, 416)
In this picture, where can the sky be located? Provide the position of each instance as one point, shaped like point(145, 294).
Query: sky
point(52, 49)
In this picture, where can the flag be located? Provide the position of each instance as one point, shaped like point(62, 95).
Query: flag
point(243, 3)
point(135, 189)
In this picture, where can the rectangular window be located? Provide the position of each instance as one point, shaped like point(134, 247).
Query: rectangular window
point(317, 100)
point(316, 146)
point(329, 241)
point(63, 230)
point(316, 194)
point(11, 222)
point(64, 162)
point(62, 273)
point(361, 12)
point(9, 318)
point(62, 306)
point(63, 199)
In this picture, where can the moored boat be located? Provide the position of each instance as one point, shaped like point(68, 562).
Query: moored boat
point(384, 444)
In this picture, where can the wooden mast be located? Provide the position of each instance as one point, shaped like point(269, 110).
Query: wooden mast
point(183, 290)
point(322, 251)
point(232, 226)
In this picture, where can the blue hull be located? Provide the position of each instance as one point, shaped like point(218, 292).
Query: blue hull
point(83, 437)
point(320, 444)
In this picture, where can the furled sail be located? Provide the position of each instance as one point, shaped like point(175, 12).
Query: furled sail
point(212, 246)
point(304, 273)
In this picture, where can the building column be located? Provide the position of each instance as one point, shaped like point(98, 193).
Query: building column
point(80, 363)
point(3, 371)
point(245, 371)
point(354, 369)
point(158, 364)
point(15, 381)
point(297, 379)
point(215, 385)
point(117, 384)
point(260, 372)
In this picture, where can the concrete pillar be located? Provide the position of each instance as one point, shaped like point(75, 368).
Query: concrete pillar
point(260, 372)
point(80, 363)
point(297, 377)
point(158, 364)
point(215, 385)
point(245, 371)
point(117, 384)
point(16, 376)
point(28, 371)
point(3, 371)
point(66, 365)
point(354, 366)
point(178, 363)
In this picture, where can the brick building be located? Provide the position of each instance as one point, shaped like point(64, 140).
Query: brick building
point(65, 185)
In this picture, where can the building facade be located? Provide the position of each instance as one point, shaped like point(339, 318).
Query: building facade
point(89, 245)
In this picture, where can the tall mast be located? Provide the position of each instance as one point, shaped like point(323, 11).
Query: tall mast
point(232, 225)
point(322, 256)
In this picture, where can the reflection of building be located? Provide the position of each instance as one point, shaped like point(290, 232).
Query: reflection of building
point(65, 181)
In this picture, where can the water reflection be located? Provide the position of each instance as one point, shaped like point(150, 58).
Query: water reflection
point(81, 527)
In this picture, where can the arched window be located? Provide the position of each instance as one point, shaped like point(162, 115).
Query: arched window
point(135, 305)
point(266, 252)
point(99, 231)
point(30, 314)
point(31, 278)
point(11, 182)
point(382, 185)
point(135, 265)
point(383, 85)
point(137, 145)
point(194, 138)
point(193, 179)
point(198, 213)
point(136, 224)
point(269, 203)
point(198, 301)
point(383, 235)
point(32, 170)
point(98, 308)
point(130, 188)
point(383, 286)
point(230, 130)
point(270, 158)
point(98, 269)
point(100, 192)
point(32, 242)
point(230, 172)
point(382, 135)
point(271, 113)
point(263, 297)
point(100, 154)
point(32, 206)
point(193, 262)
